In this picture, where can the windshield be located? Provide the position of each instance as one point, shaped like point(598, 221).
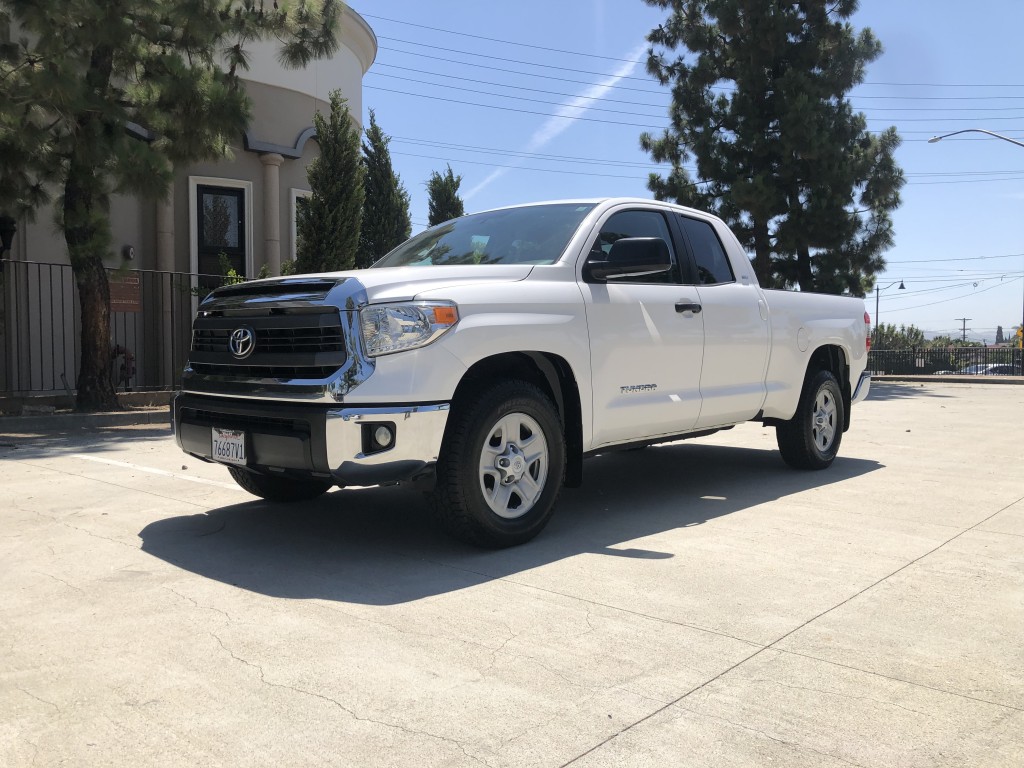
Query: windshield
point(534, 234)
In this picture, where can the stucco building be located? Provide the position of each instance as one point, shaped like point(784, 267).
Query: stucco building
point(242, 208)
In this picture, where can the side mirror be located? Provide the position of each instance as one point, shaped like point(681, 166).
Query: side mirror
point(630, 257)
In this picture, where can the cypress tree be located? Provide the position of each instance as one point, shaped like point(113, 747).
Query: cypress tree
point(759, 101)
point(84, 71)
point(444, 202)
point(328, 220)
point(386, 221)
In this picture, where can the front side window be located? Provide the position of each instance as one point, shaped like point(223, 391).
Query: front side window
point(533, 234)
point(712, 264)
point(634, 224)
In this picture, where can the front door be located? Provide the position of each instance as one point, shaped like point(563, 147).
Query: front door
point(221, 234)
point(645, 352)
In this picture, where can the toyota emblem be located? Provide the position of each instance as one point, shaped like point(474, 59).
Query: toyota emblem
point(242, 342)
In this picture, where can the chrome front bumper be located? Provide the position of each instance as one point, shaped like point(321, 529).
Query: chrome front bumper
point(303, 440)
point(863, 388)
point(418, 430)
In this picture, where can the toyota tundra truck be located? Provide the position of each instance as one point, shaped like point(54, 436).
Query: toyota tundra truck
point(488, 356)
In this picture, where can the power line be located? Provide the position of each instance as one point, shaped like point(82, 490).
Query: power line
point(518, 87)
point(946, 301)
point(527, 98)
point(964, 258)
point(478, 65)
point(533, 155)
point(528, 168)
point(515, 61)
point(664, 105)
point(498, 40)
point(624, 164)
point(644, 61)
point(513, 109)
point(572, 117)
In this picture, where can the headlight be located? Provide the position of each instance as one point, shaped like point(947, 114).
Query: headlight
point(391, 328)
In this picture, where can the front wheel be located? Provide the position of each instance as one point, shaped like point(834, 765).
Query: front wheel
point(274, 488)
point(810, 440)
point(501, 467)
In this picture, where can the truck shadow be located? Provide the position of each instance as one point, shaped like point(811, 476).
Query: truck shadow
point(902, 391)
point(380, 546)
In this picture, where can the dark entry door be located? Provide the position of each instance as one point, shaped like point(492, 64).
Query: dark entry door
point(221, 220)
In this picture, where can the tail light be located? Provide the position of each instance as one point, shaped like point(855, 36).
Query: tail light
point(867, 332)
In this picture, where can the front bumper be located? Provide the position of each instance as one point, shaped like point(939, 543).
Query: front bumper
point(316, 441)
point(863, 388)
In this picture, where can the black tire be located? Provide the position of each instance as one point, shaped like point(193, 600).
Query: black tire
point(810, 440)
point(274, 488)
point(467, 486)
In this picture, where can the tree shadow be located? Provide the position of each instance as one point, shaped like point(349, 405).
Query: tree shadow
point(380, 546)
point(50, 443)
point(902, 391)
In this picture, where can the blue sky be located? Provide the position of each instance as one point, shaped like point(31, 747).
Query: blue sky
point(503, 94)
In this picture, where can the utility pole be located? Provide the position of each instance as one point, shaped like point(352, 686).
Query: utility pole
point(964, 321)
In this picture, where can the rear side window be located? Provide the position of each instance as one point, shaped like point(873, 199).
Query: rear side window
point(712, 263)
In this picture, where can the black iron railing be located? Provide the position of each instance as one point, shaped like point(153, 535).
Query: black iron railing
point(969, 361)
point(40, 349)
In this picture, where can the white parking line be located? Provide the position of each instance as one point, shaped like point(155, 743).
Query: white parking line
point(154, 471)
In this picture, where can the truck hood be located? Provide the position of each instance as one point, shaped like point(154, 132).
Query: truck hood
point(406, 283)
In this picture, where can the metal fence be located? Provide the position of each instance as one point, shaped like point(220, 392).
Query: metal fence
point(40, 348)
point(948, 360)
point(151, 321)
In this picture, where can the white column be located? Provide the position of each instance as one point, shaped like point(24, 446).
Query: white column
point(272, 211)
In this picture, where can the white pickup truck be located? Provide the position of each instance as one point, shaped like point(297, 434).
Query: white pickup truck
point(489, 355)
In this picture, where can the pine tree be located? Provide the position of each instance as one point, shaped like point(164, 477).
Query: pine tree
point(444, 202)
point(86, 70)
point(999, 335)
point(386, 221)
point(759, 99)
point(328, 221)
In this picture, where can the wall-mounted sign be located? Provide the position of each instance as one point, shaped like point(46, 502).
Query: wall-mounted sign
point(125, 291)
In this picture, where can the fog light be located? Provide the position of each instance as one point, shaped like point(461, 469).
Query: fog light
point(383, 436)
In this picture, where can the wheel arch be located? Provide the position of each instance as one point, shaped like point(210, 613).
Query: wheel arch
point(554, 375)
point(833, 358)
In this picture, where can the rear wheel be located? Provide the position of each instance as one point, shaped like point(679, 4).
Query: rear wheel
point(273, 488)
point(810, 440)
point(501, 467)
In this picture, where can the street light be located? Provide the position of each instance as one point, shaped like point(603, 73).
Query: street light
point(935, 139)
point(878, 291)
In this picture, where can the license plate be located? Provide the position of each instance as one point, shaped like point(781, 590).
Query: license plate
point(229, 446)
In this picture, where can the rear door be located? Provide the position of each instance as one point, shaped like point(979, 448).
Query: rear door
point(736, 334)
point(645, 351)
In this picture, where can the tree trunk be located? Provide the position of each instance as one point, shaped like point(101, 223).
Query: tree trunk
point(86, 244)
point(803, 267)
point(763, 254)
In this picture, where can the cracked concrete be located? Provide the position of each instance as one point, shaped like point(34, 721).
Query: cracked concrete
point(696, 604)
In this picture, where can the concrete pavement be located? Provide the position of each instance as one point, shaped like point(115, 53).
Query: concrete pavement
point(693, 604)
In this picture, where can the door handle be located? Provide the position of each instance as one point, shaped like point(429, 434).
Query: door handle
point(688, 307)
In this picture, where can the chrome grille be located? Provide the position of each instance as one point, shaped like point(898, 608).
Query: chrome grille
point(290, 343)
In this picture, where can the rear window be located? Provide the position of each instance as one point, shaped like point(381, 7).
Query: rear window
point(712, 264)
point(533, 234)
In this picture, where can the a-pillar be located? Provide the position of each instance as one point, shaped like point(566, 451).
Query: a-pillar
point(272, 211)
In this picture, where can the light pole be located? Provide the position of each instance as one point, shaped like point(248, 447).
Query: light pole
point(878, 292)
point(935, 139)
